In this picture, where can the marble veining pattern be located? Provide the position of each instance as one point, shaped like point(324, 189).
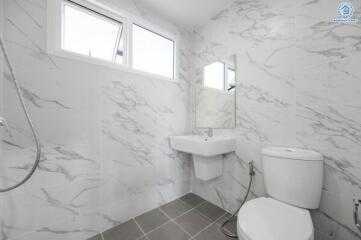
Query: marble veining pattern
point(298, 84)
point(104, 133)
point(106, 156)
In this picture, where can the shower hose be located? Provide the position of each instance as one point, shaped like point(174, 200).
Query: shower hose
point(251, 174)
point(38, 146)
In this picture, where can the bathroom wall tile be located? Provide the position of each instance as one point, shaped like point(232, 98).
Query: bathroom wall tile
point(104, 133)
point(327, 228)
point(114, 214)
point(329, 126)
point(79, 227)
point(58, 164)
point(342, 170)
point(229, 190)
point(340, 209)
point(336, 82)
point(319, 39)
point(297, 85)
point(64, 202)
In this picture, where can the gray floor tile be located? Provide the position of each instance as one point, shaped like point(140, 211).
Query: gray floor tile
point(125, 231)
point(212, 233)
point(224, 218)
point(96, 237)
point(169, 231)
point(175, 208)
point(210, 210)
point(152, 219)
point(192, 200)
point(192, 222)
point(231, 226)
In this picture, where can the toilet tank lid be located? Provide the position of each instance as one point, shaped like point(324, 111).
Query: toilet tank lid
point(292, 153)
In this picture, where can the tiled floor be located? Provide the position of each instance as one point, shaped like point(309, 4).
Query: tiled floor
point(187, 218)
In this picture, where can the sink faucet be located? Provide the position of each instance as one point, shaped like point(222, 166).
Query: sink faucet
point(210, 132)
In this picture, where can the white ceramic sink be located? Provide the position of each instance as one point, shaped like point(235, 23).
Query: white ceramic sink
point(203, 146)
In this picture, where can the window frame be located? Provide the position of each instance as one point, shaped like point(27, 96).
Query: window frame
point(226, 66)
point(54, 35)
point(159, 34)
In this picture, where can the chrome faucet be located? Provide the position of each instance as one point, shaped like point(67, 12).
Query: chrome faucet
point(4, 123)
point(210, 132)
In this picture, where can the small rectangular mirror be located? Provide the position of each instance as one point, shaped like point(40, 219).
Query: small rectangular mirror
point(215, 95)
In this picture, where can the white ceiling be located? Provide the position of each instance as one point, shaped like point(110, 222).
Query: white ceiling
point(187, 13)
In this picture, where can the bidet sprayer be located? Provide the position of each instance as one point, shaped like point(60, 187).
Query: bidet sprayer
point(251, 169)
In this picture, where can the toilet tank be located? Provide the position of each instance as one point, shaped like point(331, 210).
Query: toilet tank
point(293, 175)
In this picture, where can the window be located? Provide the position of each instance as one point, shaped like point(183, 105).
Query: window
point(89, 33)
point(214, 76)
point(231, 79)
point(219, 75)
point(152, 52)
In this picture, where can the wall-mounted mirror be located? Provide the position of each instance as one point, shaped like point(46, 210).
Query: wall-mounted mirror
point(215, 95)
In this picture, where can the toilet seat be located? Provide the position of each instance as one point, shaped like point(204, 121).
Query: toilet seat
point(269, 219)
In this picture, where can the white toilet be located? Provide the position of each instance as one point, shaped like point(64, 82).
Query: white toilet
point(293, 181)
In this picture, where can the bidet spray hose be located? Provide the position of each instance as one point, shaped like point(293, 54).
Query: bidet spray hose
point(251, 174)
point(22, 103)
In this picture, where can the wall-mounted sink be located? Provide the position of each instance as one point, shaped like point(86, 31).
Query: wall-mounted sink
point(207, 153)
point(203, 146)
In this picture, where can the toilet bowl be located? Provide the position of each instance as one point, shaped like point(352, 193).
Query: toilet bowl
point(293, 182)
point(269, 219)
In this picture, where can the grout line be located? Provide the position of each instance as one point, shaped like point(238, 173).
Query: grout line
point(190, 205)
point(172, 219)
point(203, 215)
point(194, 208)
point(144, 234)
point(228, 230)
point(205, 201)
point(206, 227)
point(159, 227)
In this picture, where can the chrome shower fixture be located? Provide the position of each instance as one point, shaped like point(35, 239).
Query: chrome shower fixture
point(3, 122)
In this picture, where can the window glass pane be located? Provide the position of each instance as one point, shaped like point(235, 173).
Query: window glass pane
point(90, 34)
point(214, 76)
point(231, 74)
point(152, 53)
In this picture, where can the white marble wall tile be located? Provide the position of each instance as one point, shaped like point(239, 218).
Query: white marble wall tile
point(342, 172)
point(138, 117)
point(330, 126)
point(79, 227)
point(319, 39)
point(58, 164)
point(2, 234)
point(104, 135)
point(115, 214)
point(297, 85)
point(335, 82)
point(339, 209)
point(327, 228)
point(215, 108)
point(229, 190)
